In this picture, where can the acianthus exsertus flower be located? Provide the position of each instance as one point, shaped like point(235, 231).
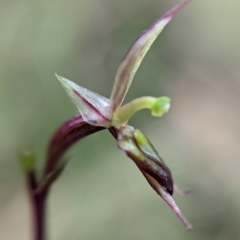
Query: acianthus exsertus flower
point(99, 111)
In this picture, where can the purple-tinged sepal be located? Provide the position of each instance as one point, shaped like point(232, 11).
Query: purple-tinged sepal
point(152, 166)
point(167, 197)
point(135, 55)
point(93, 107)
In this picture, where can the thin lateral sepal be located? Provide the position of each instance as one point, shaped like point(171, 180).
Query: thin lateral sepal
point(168, 199)
point(135, 55)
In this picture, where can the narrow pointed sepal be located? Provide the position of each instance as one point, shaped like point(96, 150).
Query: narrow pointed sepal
point(158, 175)
point(135, 55)
point(93, 107)
point(168, 199)
point(141, 151)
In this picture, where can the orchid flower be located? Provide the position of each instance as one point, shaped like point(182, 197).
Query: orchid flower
point(99, 111)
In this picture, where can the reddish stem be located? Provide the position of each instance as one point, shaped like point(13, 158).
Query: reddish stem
point(38, 201)
point(66, 135)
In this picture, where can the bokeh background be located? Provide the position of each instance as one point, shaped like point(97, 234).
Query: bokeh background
point(101, 194)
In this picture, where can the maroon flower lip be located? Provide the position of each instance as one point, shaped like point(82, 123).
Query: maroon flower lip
point(152, 165)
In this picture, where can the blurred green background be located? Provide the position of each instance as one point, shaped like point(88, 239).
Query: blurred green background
point(101, 194)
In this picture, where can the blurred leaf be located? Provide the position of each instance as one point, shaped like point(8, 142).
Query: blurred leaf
point(27, 160)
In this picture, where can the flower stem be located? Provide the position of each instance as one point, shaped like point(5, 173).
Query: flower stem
point(39, 218)
point(38, 204)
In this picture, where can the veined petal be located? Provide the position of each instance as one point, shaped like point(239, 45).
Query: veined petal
point(93, 107)
point(135, 55)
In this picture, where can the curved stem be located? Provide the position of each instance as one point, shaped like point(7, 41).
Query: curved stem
point(66, 135)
